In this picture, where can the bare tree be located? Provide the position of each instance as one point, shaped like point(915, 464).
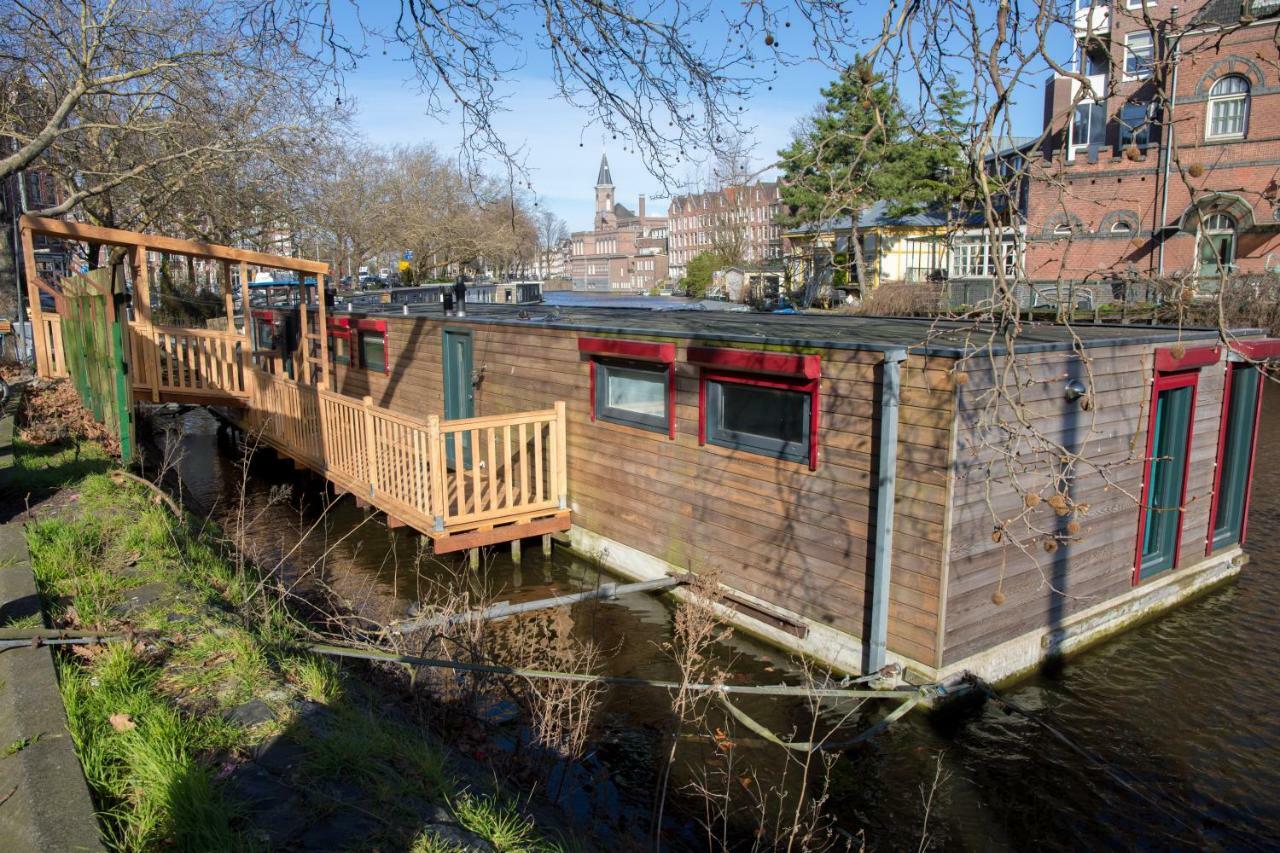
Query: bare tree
point(552, 232)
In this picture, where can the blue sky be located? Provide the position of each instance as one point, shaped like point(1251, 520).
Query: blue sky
point(561, 150)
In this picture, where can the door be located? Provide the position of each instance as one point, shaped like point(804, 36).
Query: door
point(1166, 475)
point(1236, 456)
point(459, 388)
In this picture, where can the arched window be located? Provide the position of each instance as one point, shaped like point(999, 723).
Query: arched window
point(1229, 107)
point(1121, 228)
point(1062, 230)
point(1217, 244)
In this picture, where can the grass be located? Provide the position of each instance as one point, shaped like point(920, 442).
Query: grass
point(147, 717)
point(38, 468)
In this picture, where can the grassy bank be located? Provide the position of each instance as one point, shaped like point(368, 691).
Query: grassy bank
point(206, 727)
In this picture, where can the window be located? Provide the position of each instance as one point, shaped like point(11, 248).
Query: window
point(339, 340)
point(632, 383)
point(1229, 107)
point(1169, 438)
point(1235, 455)
point(372, 338)
point(1062, 229)
point(633, 393)
point(766, 418)
point(977, 258)
point(1217, 245)
point(1094, 60)
point(759, 402)
point(1135, 125)
point(1122, 228)
point(1139, 55)
point(1089, 124)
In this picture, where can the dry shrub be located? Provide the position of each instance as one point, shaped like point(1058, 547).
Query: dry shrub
point(901, 300)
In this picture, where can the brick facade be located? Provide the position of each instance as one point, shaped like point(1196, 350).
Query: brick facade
point(742, 217)
point(1105, 203)
point(625, 250)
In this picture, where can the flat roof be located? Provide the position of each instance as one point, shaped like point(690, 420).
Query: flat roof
point(818, 329)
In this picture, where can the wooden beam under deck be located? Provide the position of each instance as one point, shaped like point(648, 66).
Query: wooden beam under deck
point(449, 542)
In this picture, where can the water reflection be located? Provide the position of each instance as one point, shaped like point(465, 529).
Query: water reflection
point(1182, 707)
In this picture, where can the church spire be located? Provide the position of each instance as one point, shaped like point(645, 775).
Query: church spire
point(604, 179)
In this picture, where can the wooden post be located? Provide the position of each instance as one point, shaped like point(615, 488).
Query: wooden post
point(142, 309)
point(370, 443)
point(515, 551)
point(244, 299)
point(546, 544)
point(38, 338)
point(322, 322)
point(562, 468)
point(303, 356)
point(473, 558)
point(435, 462)
point(227, 299)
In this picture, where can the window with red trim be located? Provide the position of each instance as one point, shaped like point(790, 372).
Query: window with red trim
point(759, 402)
point(371, 335)
point(632, 383)
point(340, 340)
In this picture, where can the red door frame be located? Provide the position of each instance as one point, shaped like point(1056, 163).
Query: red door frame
point(1164, 382)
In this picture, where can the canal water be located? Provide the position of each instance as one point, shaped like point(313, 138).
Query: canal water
point(1182, 710)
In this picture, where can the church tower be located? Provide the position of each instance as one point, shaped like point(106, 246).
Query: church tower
point(606, 219)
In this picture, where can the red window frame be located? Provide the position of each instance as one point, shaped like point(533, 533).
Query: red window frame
point(658, 353)
point(379, 326)
point(1172, 371)
point(763, 369)
point(339, 327)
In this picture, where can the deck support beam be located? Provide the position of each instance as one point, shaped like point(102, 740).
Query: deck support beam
point(473, 558)
point(546, 544)
point(515, 551)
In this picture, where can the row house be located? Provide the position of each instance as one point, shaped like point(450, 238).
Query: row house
point(734, 220)
point(1161, 149)
point(625, 251)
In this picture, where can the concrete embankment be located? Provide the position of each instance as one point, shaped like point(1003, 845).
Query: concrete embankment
point(44, 800)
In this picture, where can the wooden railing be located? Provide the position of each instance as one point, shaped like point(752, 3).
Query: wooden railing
point(193, 361)
point(438, 476)
point(52, 331)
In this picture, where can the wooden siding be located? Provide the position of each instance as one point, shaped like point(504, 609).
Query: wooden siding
point(773, 529)
point(1042, 588)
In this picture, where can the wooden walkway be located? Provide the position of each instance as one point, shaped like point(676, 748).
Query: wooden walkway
point(465, 483)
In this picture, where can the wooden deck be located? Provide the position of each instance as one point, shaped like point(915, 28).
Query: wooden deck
point(464, 483)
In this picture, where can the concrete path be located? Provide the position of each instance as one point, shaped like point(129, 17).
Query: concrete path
point(44, 800)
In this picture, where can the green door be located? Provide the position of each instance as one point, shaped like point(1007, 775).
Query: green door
point(459, 390)
point(1167, 472)
point(1237, 454)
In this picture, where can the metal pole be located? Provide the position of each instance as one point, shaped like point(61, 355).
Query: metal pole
point(887, 465)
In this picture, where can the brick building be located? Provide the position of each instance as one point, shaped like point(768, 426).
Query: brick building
point(1168, 162)
point(625, 250)
point(737, 220)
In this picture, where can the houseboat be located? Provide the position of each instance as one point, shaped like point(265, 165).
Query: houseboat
point(943, 496)
point(1045, 492)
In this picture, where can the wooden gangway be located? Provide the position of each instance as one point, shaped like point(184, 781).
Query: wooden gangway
point(465, 483)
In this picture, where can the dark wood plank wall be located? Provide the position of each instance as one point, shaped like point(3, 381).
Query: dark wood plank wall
point(1041, 588)
point(772, 529)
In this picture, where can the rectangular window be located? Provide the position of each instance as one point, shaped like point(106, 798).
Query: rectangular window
point(1135, 125)
point(339, 341)
point(1235, 455)
point(372, 340)
point(1089, 124)
point(633, 393)
point(1226, 117)
point(771, 419)
point(1139, 55)
point(1164, 482)
point(1094, 60)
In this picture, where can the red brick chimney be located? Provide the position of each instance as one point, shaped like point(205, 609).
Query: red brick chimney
point(641, 212)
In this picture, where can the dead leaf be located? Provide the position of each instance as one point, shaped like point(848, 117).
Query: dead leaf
point(122, 722)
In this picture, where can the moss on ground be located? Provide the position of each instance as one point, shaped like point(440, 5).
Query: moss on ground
point(184, 728)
